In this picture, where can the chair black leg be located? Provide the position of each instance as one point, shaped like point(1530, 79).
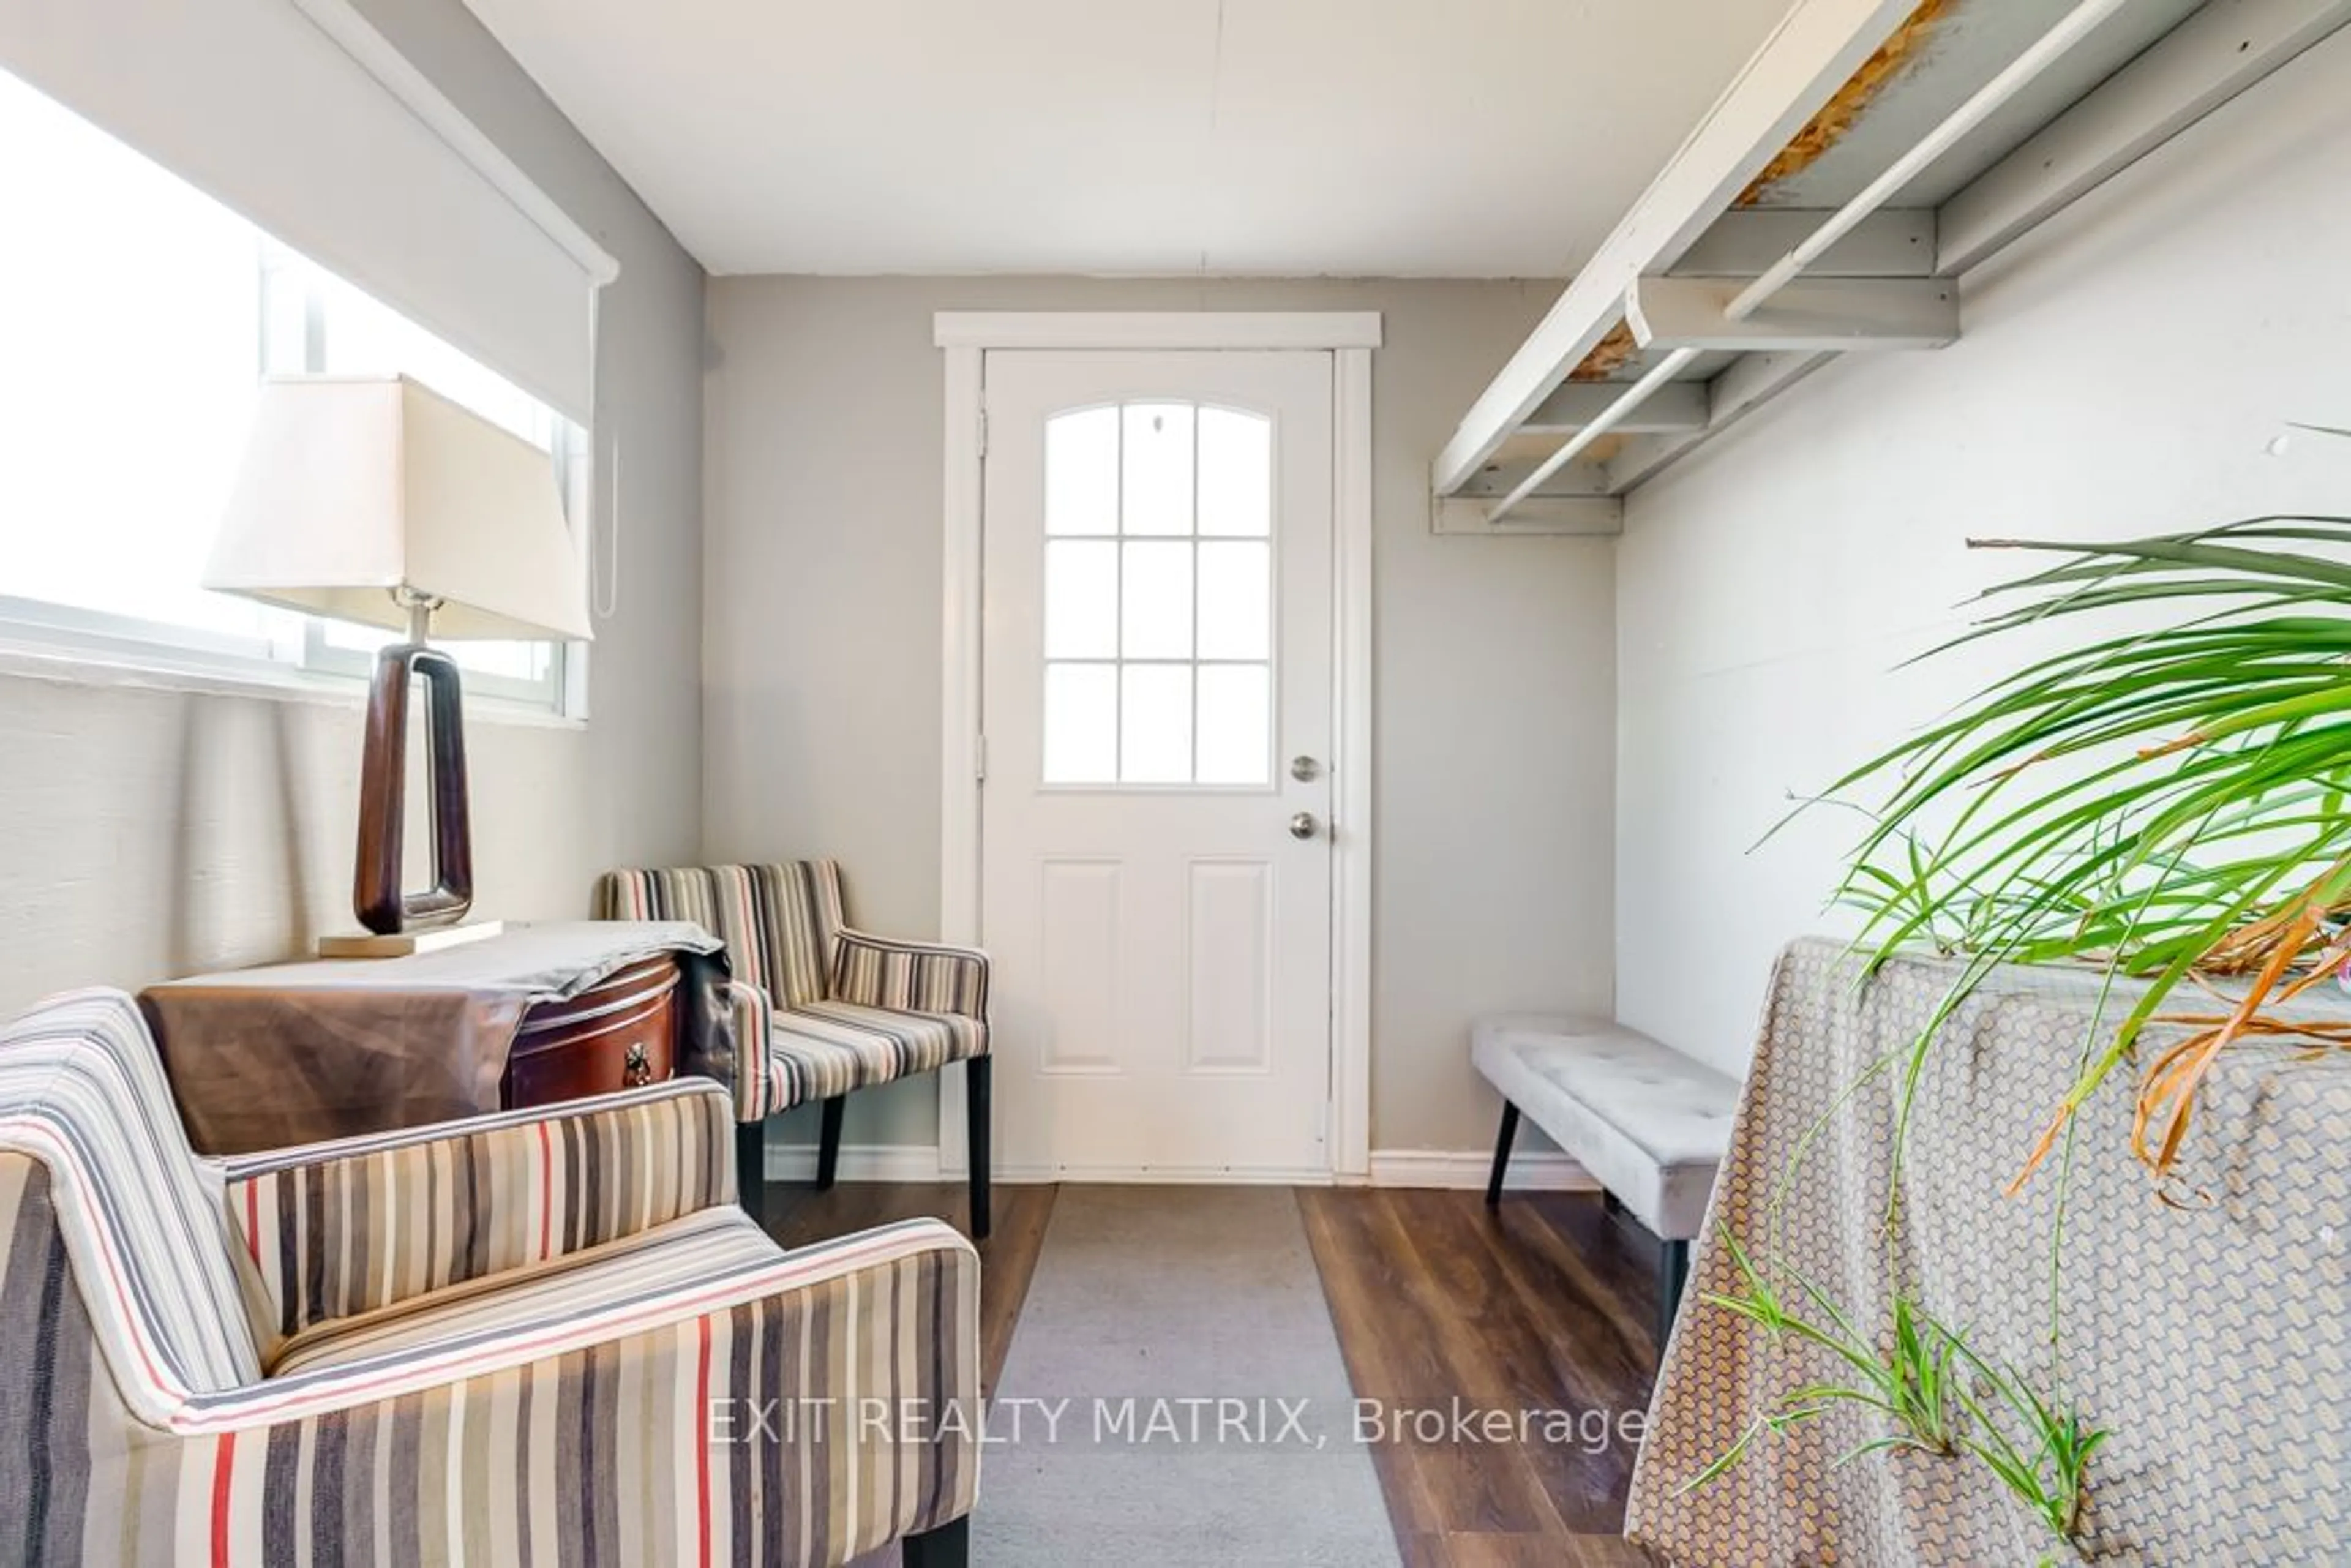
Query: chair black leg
point(1673, 1272)
point(751, 1168)
point(1501, 1154)
point(978, 1072)
point(949, 1546)
point(828, 1148)
point(1610, 1203)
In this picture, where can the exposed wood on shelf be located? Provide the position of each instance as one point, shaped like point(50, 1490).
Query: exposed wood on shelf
point(1840, 114)
point(1816, 48)
point(1608, 356)
point(1891, 89)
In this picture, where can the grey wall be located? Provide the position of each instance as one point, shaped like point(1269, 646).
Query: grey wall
point(148, 832)
point(2121, 372)
point(822, 660)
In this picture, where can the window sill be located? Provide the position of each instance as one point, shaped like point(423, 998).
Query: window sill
point(159, 672)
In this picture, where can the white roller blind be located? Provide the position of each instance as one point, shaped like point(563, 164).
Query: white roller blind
point(301, 117)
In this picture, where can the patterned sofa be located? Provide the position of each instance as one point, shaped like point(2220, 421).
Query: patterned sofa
point(546, 1336)
point(826, 1009)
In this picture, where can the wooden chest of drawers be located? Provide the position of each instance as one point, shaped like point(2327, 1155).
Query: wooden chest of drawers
point(617, 1034)
point(292, 1054)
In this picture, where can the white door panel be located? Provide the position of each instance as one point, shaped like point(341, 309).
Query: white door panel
point(1157, 651)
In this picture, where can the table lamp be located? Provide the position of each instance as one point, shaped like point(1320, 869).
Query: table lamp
point(375, 500)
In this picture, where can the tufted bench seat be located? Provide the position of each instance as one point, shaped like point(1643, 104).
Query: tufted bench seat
point(1648, 1122)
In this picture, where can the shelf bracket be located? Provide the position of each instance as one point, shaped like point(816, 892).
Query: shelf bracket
point(1675, 409)
point(1580, 517)
point(1810, 315)
point(1745, 242)
point(1570, 481)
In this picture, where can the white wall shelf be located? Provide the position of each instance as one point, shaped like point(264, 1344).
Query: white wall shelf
point(1982, 119)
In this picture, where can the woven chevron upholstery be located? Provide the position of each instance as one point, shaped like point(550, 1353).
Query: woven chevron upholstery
point(600, 1385)
point(2206, 1334)
point(837, 1008)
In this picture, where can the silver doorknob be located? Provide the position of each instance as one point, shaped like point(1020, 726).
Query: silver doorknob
point(1305, 770)
point(1303, 825)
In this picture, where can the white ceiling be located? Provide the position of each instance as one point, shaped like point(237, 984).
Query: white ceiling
point(1437, 138)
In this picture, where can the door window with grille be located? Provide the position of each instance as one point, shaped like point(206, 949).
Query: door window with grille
point(1158, 596)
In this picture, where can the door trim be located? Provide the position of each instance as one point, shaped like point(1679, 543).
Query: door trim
point(1350, 336)
point(1212, 329)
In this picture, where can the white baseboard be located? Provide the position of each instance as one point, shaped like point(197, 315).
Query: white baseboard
point(859, 1162)
point(1470, 1167)
point(1167, 1175)
point(1442, 1168)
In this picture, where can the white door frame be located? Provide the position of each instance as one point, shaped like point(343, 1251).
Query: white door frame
point(1350, 336)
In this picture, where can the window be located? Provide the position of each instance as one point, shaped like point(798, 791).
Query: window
point(138, 317)
point(1159, 596)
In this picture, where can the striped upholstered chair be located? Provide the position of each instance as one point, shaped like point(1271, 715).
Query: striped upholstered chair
point(543, 1336)
point(826, 1009)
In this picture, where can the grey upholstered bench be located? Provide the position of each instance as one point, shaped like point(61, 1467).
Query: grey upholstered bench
point(1648, 1122)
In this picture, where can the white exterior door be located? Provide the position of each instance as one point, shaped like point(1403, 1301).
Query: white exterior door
point(1156, 706)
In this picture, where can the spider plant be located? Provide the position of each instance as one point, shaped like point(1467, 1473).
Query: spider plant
point(1921, 1382)
point(2170, 798)
point(2049, 1473)
point(1908, 1383)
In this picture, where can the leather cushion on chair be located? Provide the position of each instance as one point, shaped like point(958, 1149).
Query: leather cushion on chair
point(1648, 1122)
point(830, 1048)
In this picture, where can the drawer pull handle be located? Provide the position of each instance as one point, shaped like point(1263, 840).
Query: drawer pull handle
point(637, 1068)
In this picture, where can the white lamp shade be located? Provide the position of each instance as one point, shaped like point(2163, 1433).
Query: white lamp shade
point(355, 488)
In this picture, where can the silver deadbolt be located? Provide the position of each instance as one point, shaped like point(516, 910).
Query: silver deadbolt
point(1303, 825)
point(1305, 770)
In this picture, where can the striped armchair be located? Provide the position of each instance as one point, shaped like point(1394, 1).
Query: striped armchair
point(534, 1337)
point(826, 1009)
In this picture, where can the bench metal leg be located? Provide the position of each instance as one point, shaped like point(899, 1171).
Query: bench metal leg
point(949, 1546)
point(828, 1148)
point(978, 1072)
point(1673, 1272)
point(1501, 1154)
point(751, 1169)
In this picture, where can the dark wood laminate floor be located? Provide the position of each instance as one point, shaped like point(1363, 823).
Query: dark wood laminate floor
point(1544, 1306)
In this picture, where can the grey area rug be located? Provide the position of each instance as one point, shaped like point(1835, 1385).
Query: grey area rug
point(1175, 1395)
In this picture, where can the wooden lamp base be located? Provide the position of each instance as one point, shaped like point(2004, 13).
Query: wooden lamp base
point(400, 921)
point(401, 944)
